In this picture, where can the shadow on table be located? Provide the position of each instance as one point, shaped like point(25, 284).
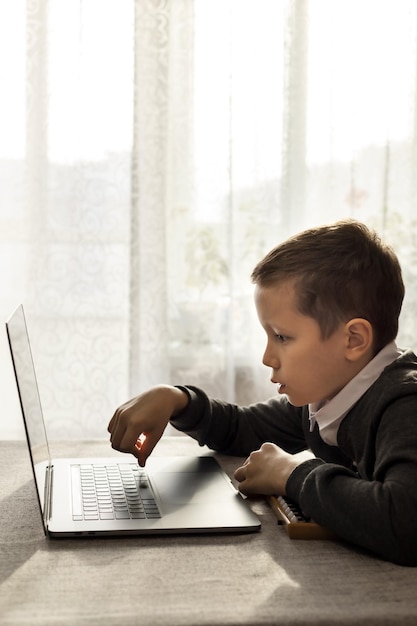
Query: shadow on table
point(21, 531)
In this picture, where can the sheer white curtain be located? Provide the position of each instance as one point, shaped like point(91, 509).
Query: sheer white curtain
point(151, 151)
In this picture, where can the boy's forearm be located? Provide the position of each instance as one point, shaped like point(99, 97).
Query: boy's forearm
point(237, 430)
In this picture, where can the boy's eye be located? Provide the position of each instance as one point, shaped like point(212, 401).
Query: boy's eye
point(281, 338)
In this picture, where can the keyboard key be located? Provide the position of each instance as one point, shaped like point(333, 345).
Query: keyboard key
point(122, 514)
point(108, 515)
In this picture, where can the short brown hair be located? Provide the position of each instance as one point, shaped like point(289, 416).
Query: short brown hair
point(340, 271)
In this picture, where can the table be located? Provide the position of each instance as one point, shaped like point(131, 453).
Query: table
point(189, 580)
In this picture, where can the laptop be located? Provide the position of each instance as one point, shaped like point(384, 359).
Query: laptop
point(114, 496)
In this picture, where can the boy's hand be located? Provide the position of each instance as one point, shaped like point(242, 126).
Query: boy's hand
point(138, 425)
point(266, 471)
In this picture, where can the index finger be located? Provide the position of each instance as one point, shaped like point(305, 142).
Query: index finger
point(145, 445)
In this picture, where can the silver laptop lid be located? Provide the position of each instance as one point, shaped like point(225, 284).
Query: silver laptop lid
point(31, 406)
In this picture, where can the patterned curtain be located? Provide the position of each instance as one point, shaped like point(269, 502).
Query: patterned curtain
point(152, 151)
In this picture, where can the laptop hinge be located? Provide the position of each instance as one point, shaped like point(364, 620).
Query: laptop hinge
point(49, 473)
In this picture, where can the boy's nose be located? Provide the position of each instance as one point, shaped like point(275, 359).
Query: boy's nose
point(270, 359)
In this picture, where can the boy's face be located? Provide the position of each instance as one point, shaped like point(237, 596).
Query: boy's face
point(306, 367)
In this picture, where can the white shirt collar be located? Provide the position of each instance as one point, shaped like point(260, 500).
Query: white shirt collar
point(330, 415)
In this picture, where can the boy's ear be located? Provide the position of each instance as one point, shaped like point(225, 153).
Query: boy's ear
point(360, 337)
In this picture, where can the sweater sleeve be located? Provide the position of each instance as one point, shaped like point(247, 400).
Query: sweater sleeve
point(376, 507)
point(236, 430)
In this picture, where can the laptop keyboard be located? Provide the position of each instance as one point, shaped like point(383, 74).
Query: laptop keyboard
point(109, 492)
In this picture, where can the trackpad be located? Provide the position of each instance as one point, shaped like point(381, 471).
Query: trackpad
point(194, 487)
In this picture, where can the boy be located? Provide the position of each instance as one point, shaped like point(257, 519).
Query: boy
point(329, 300)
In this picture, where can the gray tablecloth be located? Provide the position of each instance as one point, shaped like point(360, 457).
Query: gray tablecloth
point(261, 578)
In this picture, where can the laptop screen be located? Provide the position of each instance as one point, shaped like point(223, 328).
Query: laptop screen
point(28, 390)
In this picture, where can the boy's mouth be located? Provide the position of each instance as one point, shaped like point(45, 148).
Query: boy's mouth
point(281, 388)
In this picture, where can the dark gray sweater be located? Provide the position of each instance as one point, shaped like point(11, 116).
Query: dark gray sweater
point(365, 488)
